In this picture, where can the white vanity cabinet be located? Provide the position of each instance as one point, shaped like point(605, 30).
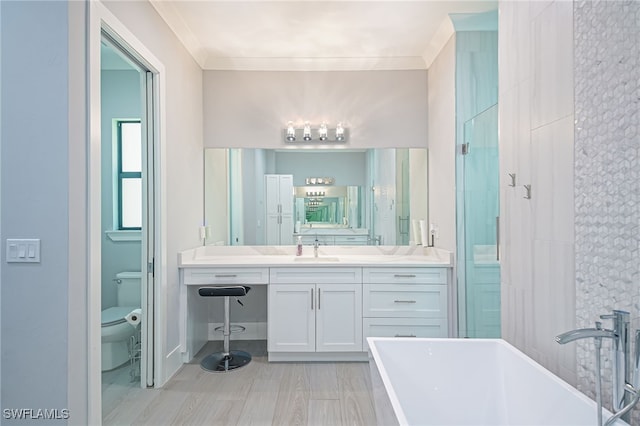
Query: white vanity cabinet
point(314, 310)
point(324, 308)
point(405, 302)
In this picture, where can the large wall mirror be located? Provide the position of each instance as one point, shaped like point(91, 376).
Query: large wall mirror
point(257, 196)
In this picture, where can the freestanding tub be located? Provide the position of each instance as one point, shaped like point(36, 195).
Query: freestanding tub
point(475, 382)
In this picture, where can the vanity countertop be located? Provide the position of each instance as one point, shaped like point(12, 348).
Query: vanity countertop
point(261, 256)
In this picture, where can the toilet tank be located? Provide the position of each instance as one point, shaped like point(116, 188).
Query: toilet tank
point(128, 288)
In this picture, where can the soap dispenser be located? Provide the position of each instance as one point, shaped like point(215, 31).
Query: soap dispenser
point(299, 249)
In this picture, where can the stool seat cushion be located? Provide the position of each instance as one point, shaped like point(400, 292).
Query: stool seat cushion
point(221, 291)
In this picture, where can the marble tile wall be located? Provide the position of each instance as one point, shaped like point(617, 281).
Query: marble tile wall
point(536, 144)
point(607, 171)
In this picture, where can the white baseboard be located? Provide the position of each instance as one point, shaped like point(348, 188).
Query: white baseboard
point(318, 356)
point(172, 363)
point(254, 331)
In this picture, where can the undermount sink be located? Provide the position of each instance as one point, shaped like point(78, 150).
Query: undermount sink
point(317, 259)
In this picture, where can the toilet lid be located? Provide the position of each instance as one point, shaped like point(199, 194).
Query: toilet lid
point(115, 315)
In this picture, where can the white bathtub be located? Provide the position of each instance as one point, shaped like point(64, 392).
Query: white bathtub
point(469, 382)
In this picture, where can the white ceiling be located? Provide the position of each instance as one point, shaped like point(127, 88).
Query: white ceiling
point(314, 35)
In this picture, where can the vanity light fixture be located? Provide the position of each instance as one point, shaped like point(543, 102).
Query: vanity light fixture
point(310, 134)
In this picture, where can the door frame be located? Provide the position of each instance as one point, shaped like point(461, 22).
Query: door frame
point(101, 19)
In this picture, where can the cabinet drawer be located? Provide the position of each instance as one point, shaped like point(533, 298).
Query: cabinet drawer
point(205, 276)
point(404, 301)
point(405, 275)
point(404, 327)
point(316, 275)
point(323, 240)
point(355, 240)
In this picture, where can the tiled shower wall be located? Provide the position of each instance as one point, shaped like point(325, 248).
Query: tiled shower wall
point(607, 171)
point(536, 144)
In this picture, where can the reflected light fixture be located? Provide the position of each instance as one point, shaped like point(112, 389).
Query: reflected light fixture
point(319, 181)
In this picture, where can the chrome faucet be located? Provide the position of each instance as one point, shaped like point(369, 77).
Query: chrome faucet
point(316, 244)
point(585, 333)
point(625, 378)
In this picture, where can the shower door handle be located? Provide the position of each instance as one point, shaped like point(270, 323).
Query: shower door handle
point(497, 238)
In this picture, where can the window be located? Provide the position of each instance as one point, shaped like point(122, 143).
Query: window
point(129, 174)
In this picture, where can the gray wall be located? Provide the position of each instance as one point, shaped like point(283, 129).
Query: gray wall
point(607, 164)
point(35, 203)
point(247, 109)
point(121, 97)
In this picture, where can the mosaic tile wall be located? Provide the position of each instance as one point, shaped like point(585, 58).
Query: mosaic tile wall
point(607, 172)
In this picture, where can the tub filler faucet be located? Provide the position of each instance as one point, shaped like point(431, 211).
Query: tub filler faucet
point(626, 371)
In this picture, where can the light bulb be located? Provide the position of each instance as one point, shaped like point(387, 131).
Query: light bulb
point(339, 132)
point(306, 134)
point(291, 132)
point(323, 131)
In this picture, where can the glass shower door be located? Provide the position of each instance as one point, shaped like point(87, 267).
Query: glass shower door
point(478, 253)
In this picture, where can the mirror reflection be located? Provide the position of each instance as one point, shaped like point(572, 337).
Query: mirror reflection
point(258, 196)
point(335, 206)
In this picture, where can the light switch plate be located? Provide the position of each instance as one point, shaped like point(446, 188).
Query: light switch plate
point(23, 250)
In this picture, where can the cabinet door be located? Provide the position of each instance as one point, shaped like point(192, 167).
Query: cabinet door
point(278, 209)
point(286, 230)
point(285, 195)
point(339, 318)
point(272, 229)
point(272, 194)
point(291, 318)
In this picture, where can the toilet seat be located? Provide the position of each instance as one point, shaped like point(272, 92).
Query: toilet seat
point(115, 315)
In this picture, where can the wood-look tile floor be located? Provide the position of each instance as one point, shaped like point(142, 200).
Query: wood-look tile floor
point(261, 393)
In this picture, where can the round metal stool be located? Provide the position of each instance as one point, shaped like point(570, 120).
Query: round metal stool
point(226, 360)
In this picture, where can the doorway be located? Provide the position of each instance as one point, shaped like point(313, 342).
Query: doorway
point(127, 219)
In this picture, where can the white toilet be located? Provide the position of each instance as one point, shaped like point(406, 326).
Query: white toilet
point(116, 331)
